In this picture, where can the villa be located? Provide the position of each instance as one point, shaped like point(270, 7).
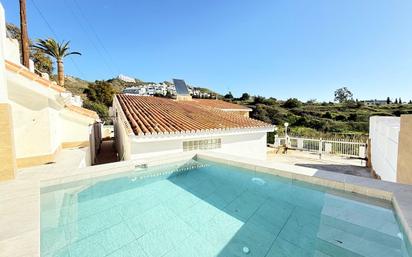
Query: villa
point(153, 126)
point(192, 180)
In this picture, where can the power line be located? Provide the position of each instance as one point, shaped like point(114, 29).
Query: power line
point(44, 19)
point(96, 34)
point(94, 46)
point(55, 35)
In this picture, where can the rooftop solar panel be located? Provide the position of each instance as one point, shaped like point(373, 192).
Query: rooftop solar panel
point(181, 88)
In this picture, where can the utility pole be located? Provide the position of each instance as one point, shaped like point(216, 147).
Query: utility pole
point(24, 35)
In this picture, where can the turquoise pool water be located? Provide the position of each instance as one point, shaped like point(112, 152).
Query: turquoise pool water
point(204, 209)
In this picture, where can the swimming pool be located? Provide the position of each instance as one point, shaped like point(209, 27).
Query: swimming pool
point(199, 208)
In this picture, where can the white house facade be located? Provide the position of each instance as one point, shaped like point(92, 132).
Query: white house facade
point(38, 118)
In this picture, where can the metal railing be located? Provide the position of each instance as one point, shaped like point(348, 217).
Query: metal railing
point(342, 147)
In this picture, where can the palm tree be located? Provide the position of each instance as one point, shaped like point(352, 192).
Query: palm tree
point(57, 50)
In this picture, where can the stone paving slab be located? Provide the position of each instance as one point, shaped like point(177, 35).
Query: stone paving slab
point(20, 198)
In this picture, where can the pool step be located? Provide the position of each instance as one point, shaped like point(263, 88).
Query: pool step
point(355, 229)
point(336, 242)
point(367, 233)
point(363, 220)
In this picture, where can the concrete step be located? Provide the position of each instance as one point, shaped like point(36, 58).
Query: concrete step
point(336, 242)
point(374, 223)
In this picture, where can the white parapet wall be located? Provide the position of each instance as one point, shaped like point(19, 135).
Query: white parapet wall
point(245, 143)
point(384, 136)
point(3, 85)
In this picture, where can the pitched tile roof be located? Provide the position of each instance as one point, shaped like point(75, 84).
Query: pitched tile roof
point(153, 115)
point(220, 104)
point(83, 111)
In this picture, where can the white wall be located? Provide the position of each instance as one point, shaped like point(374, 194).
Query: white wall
point(121, 135)
point(123, 142)
point(155, 148)
point(13, 50)
point(384, 136)
point(250, 145)
point(31, 124)
point(74, 127)
point(3, 85)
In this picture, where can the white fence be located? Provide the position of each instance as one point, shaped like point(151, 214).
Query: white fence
point(350, 148)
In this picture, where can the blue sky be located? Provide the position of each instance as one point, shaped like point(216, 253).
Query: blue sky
point(280, 48)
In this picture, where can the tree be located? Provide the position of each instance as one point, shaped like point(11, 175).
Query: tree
point(343, 95)
point(259, 99)
point(400, 100)
point(396, 100)
point(245, 97)
point(388, 100)
point(100, 92)
point(42, 62)
point(410, 101)
point(292, 103)
point(229, 96)
point(101, 109)
point(58, 51)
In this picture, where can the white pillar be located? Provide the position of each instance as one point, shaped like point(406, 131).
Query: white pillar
point(3, 85)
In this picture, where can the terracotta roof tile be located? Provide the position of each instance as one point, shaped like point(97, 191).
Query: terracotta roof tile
point(152, 115)
point(219, 104)
point(82, 111)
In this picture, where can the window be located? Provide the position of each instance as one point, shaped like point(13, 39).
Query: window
point(204, 144)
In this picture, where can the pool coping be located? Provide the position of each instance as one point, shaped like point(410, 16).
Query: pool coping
point(20, 198)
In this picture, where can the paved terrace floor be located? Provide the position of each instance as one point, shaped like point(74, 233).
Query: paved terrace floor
point(20, 198)
point(336, 164)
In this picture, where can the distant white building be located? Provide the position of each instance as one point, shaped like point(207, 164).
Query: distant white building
point(126, 78)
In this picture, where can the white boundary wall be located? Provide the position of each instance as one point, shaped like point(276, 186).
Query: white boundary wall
point(246, 143)
point(3, 85)
point(384, 136)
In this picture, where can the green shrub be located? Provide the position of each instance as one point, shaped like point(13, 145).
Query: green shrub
point(292, 103)
point(101, 109)
point(327, 115)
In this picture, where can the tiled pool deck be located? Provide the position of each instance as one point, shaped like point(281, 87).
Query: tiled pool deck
point(20, 199)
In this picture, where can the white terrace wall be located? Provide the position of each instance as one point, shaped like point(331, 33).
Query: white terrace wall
point(7, 150)
point(13, 52)
point(384, 136)
point(122, 134)
point(251, 145)
point(35, 122)
point(248, 145)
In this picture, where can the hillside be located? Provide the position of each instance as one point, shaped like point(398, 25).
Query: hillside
point(313, 119)
point(98, 95)
point(310, 119)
